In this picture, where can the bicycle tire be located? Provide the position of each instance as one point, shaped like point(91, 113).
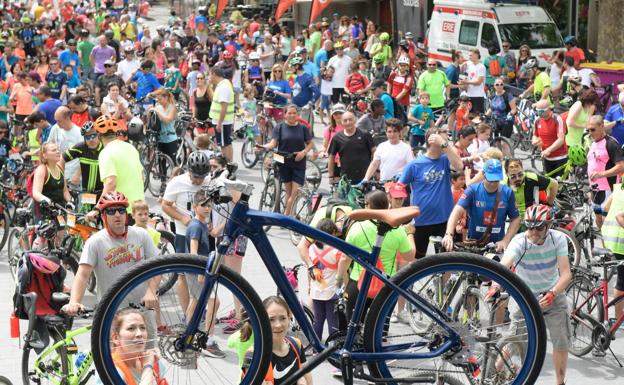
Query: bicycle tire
point(266, 166)
point(505, 146)
point(248, 153)
point(169, 240)
point(376, 326)
point(302, 212)
point(61, 356)
point(500, 375)
point(574, 255)
point(268, 197)
point(182, 264)
point(577, 292)
point(313, 171)
point(295, 331)
point(5, 223)
point(5, 381)
point(17, 244)
point(157, 181)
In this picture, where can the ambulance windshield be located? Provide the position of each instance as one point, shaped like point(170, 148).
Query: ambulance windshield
point(535, 35)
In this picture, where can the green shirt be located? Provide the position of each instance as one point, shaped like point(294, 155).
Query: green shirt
point(433, 83)
point(363, 235)
point(385, 53)
point(234, 342)
point(121, 160)
point(541, 82)
point(85, 47)
point(489, 79)
point(315, 42)
point(4, 102)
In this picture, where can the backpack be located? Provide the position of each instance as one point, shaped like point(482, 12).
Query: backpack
point(30, 181)
point(495, 67)
point(399, 111)
point(29, 279)
point(376, 284)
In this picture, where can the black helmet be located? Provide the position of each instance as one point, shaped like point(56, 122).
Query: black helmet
point(531, 63)
point(198, 164)
point(109, 34)
point(87, 128)
point(403, 43)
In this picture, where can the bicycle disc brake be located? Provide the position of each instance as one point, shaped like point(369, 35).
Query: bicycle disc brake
point(463, 355)
point(167, 344)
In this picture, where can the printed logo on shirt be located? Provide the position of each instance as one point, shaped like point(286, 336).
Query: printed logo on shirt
point(478, 203)
point(433, 176)
point(122, 254)
point(481, 229)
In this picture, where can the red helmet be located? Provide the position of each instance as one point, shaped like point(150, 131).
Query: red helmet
point(113, 198)
point(47, 264)
point(227, 55)
point(537, 215)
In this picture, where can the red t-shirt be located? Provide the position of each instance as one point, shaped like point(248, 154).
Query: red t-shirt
point(547, 130)
point(399, 83)
point(577, 54)
point(461, 118)
point(356, 82)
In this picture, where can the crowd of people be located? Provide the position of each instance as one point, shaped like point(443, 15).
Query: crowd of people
point(66, 73)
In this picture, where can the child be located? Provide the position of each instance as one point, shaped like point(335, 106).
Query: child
point(323, 285)
point(73, 80)
point(462, 113)
point(287, 355)
point(172, 78)
point(197, 243)
point(458, 184)
point(254, 73)
point(202, 141)
point(140, 214)
point(249, 107)
point(481, 143)
point(423, 115)
point(326, 91)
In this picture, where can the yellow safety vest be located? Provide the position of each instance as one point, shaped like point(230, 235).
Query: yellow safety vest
point(612, 232)
point(215, 106)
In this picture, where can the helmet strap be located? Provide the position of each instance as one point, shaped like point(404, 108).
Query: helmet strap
point(110, 233)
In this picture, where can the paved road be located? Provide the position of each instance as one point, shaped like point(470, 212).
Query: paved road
point(588, 370)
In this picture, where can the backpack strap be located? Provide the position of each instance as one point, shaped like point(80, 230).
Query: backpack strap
point(295, 345)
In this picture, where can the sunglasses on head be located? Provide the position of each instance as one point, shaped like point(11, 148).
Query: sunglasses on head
point(90, 136)
point(539, 226)
point(115, 210)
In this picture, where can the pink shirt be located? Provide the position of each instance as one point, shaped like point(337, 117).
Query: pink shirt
point(328, 135)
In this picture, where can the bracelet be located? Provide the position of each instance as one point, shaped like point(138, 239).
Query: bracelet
point(148, 366)
point(449, 234)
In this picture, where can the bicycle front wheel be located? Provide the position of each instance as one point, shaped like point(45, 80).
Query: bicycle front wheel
point(17, 243)
point(466, 364)
point(158, 174)
point(203, 362)
point(248, 153)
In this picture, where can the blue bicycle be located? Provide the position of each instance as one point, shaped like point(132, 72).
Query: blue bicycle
point(451, 351)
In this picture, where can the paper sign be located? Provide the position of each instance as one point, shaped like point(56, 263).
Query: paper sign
point(71, 220)
point(88, 198)
point(278, 158)
point(61, 220)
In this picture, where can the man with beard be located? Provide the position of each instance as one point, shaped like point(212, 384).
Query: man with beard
point(527, 185)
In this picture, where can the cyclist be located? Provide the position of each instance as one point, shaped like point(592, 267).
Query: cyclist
point(355, 149)
point(66, 134)
point(120, 166)
point(401, 82)
point(88, 153)
point(527, 185)
point(222, 110)
point(380, 71)
point(475, 83)
point(373, 120)
point(578, 117)
point(435, 83)
point(605, 161)
point(573, 51)
point(391, 156)
point(539, 257)
point(549, 137)
point(614, 119)
point(112, 251)
point(378, 89)
point(429, 177)
point(49, 185)
point(486, 224)
point(305, 91)
point(541, 81)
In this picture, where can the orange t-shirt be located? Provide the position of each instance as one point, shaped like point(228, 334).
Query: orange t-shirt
point(23, 98)
point(461, 118)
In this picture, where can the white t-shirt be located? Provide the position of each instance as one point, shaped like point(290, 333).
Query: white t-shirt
point(474, 72)
point(126, 68)
point(555, 75)
point(326, 289)
point(570, 72)
point(110, 258)
point(267, 62)
point(111, 106)
point(180, 190)
point(327, 87)
point(341, 65)
point(585, 74)
point(392, 157)
point(66, 139)
point(478, 147)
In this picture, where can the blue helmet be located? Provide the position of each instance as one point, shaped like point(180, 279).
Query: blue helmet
point(570, 39)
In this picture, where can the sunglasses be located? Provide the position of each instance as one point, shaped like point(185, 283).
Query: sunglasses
point(539, 112)
point(535, 226)
point(90, 136)
point(115, 210)
point(591, 130)
point(200, 78)
point(516, 176)
point(108, 65)
point(431, 65)
point(498, 85)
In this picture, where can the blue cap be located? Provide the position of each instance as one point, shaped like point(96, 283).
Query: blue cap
point(493, 170)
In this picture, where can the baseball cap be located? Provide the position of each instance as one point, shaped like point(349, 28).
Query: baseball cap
point(493, 170)
point(396, 190)
point(109, 62)
point(129, 49)
point(338, 107)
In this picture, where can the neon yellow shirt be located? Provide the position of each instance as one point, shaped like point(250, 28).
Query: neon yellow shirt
point(121, 160)
point(539, 85)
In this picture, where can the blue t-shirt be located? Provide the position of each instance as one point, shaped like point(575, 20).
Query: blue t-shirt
point(304, 90)
point(292, 139)
point(146, 83)
point(280, 86)
point(10, 60)
point(255, 72)
point(199, 231)
point(56, 83)
point(430, 181)
point(320, 57)
point(479, 203)
point(499, 104)
point(421, 112)
point(4, 102)
point(388, 104)
point(5, 148)
point(67, 57)
point(452, 74)
point(614, 114)
point(74, 81)
point(311, 69)
point(48, 108)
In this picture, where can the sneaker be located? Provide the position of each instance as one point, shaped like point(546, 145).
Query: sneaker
point(232, 327)
point(165, 330)
point(403, 317)
point(336, 372)
point(230, 315)
point(213, 350)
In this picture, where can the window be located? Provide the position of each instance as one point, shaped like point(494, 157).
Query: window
point(469, 32)
point(535, 35)
point(488, 35)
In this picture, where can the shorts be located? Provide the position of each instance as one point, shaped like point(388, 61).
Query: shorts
point(325, 102)
point(276, 113)
point(224, 138)
point(600, 197)
point(619, 283)
point(417, 140)
point(557, 318)
point(291, 174)
point(179, 243)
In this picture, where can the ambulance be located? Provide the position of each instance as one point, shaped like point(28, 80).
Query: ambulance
point(464, 24)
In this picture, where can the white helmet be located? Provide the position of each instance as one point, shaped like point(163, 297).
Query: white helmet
point(403, 60)
point(254, 56)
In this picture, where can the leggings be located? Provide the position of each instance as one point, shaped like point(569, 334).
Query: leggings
point(422, 234)
point(324, 310)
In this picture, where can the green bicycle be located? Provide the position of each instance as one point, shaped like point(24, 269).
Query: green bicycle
point(573, 167)
point(59, 363)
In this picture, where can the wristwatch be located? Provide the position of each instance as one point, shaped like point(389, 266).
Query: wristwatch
point(445, 144)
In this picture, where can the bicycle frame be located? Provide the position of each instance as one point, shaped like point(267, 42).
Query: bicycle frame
point(249, 222)
point(603, 291)
point(74, 375)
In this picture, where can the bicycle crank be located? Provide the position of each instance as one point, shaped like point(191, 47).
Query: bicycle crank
point(601, 338)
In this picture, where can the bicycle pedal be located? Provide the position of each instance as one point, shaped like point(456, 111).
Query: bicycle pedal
point(599, 353)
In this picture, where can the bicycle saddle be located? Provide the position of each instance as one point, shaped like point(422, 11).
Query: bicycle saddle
point(392, 217)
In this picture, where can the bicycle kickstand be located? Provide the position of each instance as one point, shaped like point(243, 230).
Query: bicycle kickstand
point(614, 356)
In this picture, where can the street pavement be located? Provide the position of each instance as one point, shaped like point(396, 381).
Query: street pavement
point(586, 370)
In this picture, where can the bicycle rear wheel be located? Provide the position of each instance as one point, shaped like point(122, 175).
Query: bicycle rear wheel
point(192, 365)
point(4, 228)
point(268, 197)
point(505, 146)
point(166, 247)
point(302, 211)
point(17, 243)
point(49, 369)
point(579, 291)
point(248, 153)
point(158, 173)
point(475, 340)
